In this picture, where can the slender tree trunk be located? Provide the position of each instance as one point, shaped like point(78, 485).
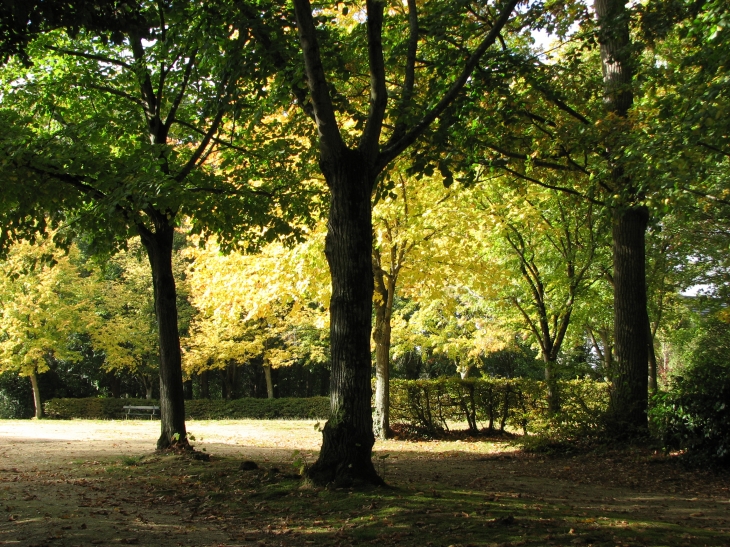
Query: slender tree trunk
point(172, 401)
point(115, 385)
point(348, 436)
point(204, 385)
point(385, 294)
point(653, 385)
point(381, 336)
point(188, 389)
point(36, 395)
point(269, 382)
point(629, 399)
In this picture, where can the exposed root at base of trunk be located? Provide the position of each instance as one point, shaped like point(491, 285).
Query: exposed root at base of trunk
point(182, 448)
point(344, 475)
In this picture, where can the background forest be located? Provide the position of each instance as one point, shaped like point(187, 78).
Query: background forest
point(167, 201)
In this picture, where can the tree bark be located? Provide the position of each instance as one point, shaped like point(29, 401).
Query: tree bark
point(384, 289)
point(629, 394)
point(36, 395)
point(553, 397)
point(348, 436)
point(204, 385)
point(269, 383)
point(629, 399)
point(381, 336)
point(172, 402)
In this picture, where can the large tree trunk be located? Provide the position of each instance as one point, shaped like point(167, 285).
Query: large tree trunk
point(629, 394)
point(348, 437)
point(629, 400)
point(172, 401)
point(36, 395)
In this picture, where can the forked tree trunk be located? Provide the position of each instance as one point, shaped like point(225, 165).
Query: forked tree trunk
point(36, 395)
point(348, 437)
point(172, 401)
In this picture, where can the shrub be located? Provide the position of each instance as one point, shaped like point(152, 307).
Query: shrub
point(494, 403)
point(694, 414)
point(199, 409)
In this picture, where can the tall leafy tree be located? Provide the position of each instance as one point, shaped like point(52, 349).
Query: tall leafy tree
point(353, 158)
point(551, 244)
point(42, 304)
point(130, 131)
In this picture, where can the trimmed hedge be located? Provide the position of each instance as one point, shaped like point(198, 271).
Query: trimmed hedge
point(293, 408)
point(199, 409)
point(494, 403)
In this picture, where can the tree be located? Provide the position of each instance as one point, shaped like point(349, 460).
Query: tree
point(130, 131)
point(351, 172)
point(42, 298)
point(254, 307)
point(549, 244)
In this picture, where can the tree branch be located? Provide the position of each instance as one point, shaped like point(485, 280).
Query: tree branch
point(330, 140)
point(118, 93)
point(369, 140)
point(409, 81)
point(214, 139)
point(393, 149)
point(92, 56)
point(181, 92)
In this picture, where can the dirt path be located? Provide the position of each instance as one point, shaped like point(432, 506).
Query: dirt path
point(67, 483)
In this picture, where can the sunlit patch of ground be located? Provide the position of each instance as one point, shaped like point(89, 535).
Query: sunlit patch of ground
point(65, 483)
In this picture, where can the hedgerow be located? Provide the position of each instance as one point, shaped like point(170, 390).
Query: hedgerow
point(199, 409)
point(494, 403)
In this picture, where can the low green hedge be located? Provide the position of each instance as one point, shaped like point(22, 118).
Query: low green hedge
point(494, 403)
point(312, 408)
point(91, 408)
point(199, 409)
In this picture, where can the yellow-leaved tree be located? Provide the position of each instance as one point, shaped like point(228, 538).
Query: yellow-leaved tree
point(42, 303)
point(424, 258)
point(270, 305)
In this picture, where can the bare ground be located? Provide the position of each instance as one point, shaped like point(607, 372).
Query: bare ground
point(67, 483)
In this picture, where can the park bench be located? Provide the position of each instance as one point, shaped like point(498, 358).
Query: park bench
point(150, 411)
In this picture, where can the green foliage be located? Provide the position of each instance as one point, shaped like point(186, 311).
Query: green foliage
point(694, 414)
point(430, 405)
point(260, 409)
point(200, 409)
point(91, 407)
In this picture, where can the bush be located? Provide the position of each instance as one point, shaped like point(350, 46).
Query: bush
point(494, 403)
point(199, 409)
point(694, 414)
